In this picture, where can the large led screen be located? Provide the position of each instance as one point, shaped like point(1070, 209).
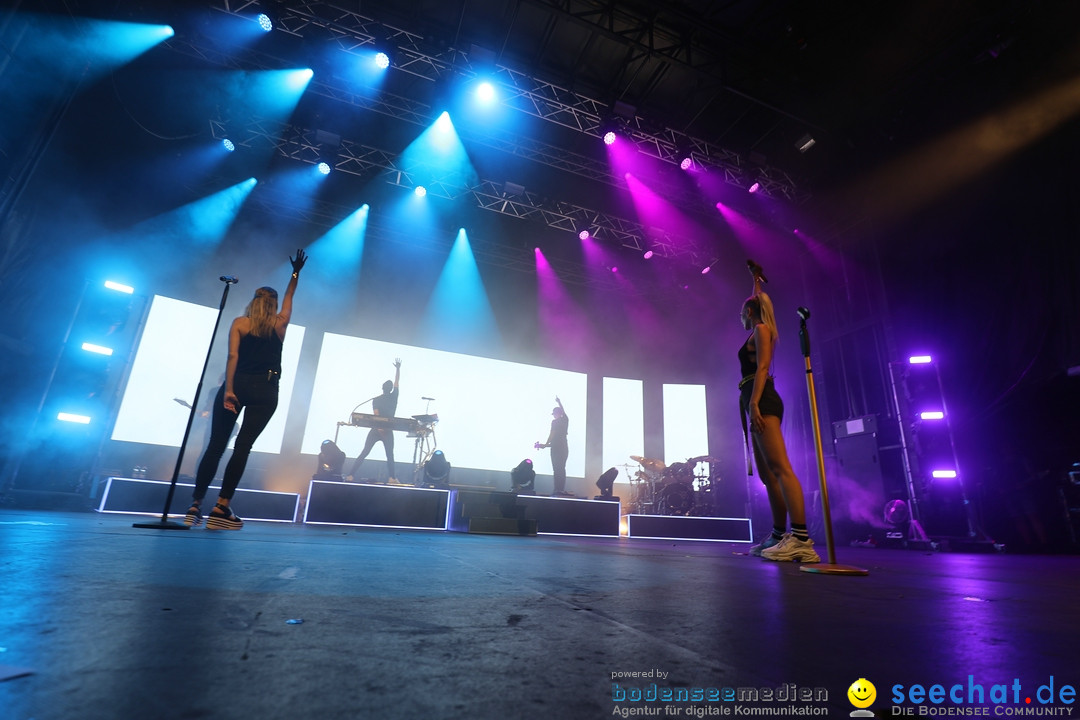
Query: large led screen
point(491, 412)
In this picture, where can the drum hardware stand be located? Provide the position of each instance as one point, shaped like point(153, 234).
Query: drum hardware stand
point(830, 568)
point(164, 523)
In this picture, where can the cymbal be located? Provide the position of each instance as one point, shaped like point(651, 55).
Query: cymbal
point(703, 458)
point(648, 462)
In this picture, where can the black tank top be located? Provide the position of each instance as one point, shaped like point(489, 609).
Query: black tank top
point(258, 355)
point(747, 364)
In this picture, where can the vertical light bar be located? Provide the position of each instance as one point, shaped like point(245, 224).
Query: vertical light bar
point(99, 349)
point(119, 287)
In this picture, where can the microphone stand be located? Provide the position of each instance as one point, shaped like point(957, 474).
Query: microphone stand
point(350, 417)
point(164, 523)
point(829, 568)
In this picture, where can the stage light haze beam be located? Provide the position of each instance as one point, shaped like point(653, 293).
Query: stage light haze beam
point(459, 315)
point(340, 250)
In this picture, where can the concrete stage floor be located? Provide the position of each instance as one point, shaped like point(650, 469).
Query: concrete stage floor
point(110, 621)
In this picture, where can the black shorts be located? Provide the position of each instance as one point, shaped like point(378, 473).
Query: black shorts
point(769, 404)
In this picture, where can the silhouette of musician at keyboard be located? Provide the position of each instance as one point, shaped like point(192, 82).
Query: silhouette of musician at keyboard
point(384, 405)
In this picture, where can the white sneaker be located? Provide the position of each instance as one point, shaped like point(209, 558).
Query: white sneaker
point(792, 549)
point(767, 543)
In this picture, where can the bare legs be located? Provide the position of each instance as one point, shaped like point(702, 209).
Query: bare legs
point(781, 483)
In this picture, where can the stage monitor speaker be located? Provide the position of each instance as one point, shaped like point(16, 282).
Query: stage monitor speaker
point(857, 494)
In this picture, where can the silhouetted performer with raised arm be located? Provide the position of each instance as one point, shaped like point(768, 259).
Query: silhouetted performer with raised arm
point(560, 447)
point(384, 405)
point(252, 372)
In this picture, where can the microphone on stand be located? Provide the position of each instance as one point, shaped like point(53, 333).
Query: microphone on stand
point(229, 279)
point(427, 398)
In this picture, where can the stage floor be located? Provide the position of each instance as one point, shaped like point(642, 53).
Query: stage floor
point(110, 621)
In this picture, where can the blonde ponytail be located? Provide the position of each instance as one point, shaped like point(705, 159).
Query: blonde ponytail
point(767, 315)
point(262, 310)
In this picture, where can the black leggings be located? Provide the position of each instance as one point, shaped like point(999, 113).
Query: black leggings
point(258, 395)
point(559, 456)
point(376, 435)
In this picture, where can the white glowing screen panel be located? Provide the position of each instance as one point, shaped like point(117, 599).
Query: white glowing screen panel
point(686, 425)
point(624, 424)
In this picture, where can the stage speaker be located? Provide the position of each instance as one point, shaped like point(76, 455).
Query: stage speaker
point(857, 490)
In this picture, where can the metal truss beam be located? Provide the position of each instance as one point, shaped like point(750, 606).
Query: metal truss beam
point(490, 253)
point(415, 55)
point(364, 160)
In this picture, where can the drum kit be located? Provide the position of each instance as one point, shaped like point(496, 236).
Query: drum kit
point(675, 489)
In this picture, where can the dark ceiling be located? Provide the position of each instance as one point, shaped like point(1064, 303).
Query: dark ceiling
point(746, 81)
point(752, 77)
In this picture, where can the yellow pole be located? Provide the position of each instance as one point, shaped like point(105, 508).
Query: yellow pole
point(831, 567)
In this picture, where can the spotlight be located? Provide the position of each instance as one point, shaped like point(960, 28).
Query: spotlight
point(523, 477)
point(896, 513)
point(614, 269)
point(331, 460)
point(420, 191)
point(648, 254)
point(382, 60)
point(687, 163)
point(605, 483)
point(943, 473)
point(228, 145)
point(443, 123)
point(920, 359)
point(706, 270)
point(118, 287)
point(755, 187)
point(584, 235)
point(932, 415)
point(265, 22)
point(73, 418)
point(437, 470)
point(513, 189)
point(609, 137)
point(323, 168)
point(485, 92)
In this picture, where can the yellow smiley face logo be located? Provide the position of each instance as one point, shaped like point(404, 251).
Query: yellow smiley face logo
point(862, 693)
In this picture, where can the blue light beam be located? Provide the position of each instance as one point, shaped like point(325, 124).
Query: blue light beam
point(340, 250)
point(459, 316)
point(203, 222)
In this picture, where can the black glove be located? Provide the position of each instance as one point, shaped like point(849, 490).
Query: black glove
point(298, 261)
